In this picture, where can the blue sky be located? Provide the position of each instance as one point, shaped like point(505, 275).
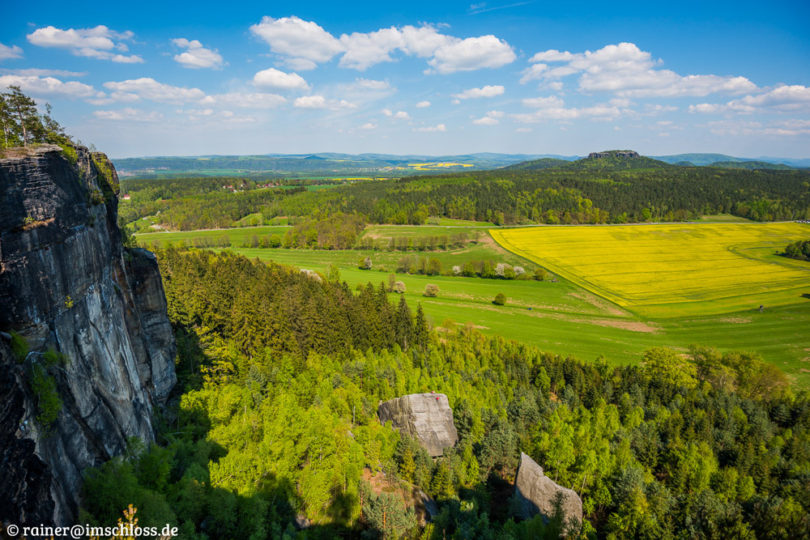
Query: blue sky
point(176, 78)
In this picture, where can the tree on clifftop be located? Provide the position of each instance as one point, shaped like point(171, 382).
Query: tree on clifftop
point(22, 124)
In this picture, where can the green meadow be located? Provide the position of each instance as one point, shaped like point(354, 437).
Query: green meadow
point(556, 315)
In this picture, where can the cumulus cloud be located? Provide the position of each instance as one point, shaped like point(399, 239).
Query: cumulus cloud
point(196, 56)
point(489, 119)
point(368, 126)
point(370, 84)
point(471, 54)
point(99, 42)
point(128, 114)
point(274, 78)
point(48, 86)
point(423, 104)
point(320, 102)
point(483, 92)
point(783, 98)
point(7, 53)
point(431, 129)
point(305, 44)
point(255, 100)
point(627, 71)
point(148, 88)
point(553, 108)
point(399, 115)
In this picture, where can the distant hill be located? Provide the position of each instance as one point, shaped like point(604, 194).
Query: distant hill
point(609, 160)
point(318, 164)
point(538, 164)
point(750, 165)
point(702, 160)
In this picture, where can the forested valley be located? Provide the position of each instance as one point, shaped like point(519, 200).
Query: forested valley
point(275, 432)
point(505, 196)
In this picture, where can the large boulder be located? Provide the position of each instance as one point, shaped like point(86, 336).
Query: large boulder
point(425, 417)
point(539, 494)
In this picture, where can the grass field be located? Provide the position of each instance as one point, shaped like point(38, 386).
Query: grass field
point(562, 316)
point(672, 270)
point(237, 236)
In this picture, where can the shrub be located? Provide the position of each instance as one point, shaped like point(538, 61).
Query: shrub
point(456, 270)
point(365, 263)
point(431, 290)
point(539, 274)
point(500, 299)
point(399, 287)
point(48, 402)
point(19, 347)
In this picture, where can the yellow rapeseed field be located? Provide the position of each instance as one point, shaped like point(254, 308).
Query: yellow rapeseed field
point(672, 269)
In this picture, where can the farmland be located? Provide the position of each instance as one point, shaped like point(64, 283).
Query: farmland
point(675, 269)
point(569, 315)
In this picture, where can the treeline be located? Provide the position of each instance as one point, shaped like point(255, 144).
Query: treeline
point(276, 430)
point(335, 231)
point(484, 268)
point(552, 196)
point(417, 243)
point(798, 250)
point(23, 125)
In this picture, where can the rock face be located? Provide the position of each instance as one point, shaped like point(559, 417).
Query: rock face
point(425, 417)
point(613, 153)
point(67, 285)
point(537, 493)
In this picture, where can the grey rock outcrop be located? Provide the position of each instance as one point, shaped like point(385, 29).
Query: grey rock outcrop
point(537, 493)
point(425, 417)
point(614, 153)
point(67, 284)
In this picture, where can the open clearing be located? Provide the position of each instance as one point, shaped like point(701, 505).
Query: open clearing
point(672, 270)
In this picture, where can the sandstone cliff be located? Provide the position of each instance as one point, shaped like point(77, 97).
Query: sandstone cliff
point(425, 417)
point(92, 315)
point(537, 493)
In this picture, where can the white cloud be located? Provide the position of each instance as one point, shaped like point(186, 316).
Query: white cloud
point(783, 98)
point(471, 54)
point(98, 42)
point(310, 102)
point(256, 100)
point(48, 86)
point(431, 129)
point(535, 71)
point(399, 115)
point(627, 71)
point(320, 102)
point(304, 43)
point(196, 56)
point(370, 84)
point(7, 53)
point(543, 102)
point(128, 114)
point(37, 72)
point(553, 108)
point(274, 78)
point(368, 126)
point(148, 88)
point(483, 92)
point(423, 104)
point(363, 50)
point(489, 119)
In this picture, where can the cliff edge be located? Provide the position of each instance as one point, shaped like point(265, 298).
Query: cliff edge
point(86, 348)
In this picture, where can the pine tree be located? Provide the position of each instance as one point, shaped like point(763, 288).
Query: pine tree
point(24, 111)
point(404, 324)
